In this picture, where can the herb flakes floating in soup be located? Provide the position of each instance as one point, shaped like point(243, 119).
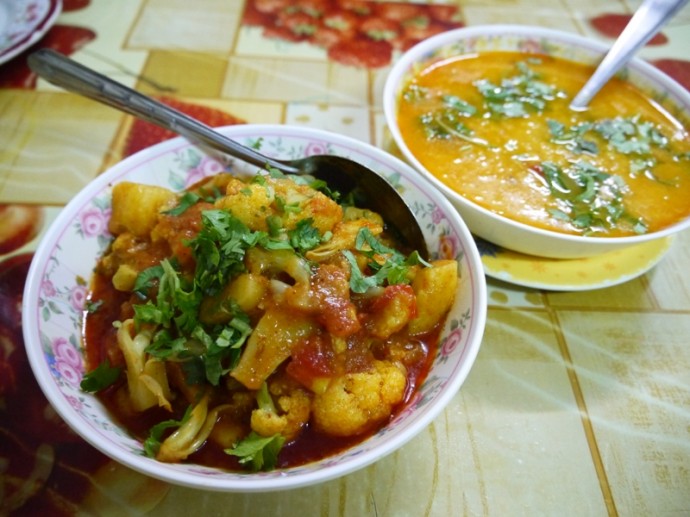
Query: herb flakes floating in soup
point(260, 324)
point(496, 127)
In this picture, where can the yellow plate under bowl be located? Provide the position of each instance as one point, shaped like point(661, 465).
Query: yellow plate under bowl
point(580, 274)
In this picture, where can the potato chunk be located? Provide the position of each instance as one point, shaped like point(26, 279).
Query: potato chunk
point(269, 345)
point(136, 207)
point(435, 290)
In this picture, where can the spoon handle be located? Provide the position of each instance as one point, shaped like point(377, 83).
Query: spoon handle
point(644, 24)
point(70, 75)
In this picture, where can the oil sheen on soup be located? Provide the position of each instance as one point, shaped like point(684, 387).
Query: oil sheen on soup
point(496, 127)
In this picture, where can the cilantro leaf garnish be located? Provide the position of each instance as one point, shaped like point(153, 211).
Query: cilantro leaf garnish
point(358, 282)
point(459, 106)
point(219, 249)
point(414, 92)
point(153, 442)
point(518, 95)
point(180, 334)
point(100, 377)
point(304, 236)
point(173, 300)
point(92, 306)
point(259, 452)
point(323, 187)
point(188, 200)
point(573, 137)
point(590, 199)
point(631, 135)
point(394, 270)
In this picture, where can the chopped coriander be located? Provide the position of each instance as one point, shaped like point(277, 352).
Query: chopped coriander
point(153, 442)
point(630, 135)
point(448, 121)
point(259, 452)
point(573, 137)
point(413, 93)
point(181, 335)
point(188, 200)
point(275, 225)
point(590, 199)
point(304, 236)
point(358, 282)
point(92, 306)
point(394, 270)
point(219, 249)
point(100, 377)
point(459, 106)
point(323, 187)
point(284, 207)
point(518, 95)
point(147, 279)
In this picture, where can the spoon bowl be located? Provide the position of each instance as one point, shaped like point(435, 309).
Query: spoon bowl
point(369, 189)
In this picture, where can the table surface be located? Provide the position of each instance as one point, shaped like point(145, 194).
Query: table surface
point(579, 401)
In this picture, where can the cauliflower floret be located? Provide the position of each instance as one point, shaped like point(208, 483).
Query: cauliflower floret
point(249, 202)
point(286, 416)
point(252, 203)
point(267, 422)
point(343, 238)
point(354, 402)
point(392, 310)
point(306, 203)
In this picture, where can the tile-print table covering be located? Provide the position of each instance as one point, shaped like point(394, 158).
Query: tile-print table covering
point(579, 402)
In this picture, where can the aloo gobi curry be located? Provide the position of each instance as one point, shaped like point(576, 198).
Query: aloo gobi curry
point(257, 324)
point(496, 127)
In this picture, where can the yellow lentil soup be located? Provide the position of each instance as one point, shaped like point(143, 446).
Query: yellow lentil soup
point(496, 127)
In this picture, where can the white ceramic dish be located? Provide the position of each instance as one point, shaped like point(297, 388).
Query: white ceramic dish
point(482, 222)
point(54, 300)
point(23, 23)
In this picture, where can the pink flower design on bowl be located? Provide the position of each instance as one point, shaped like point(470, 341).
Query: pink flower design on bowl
point(531, 45)
point(437, 215)
point(447, 246)
point(314, 148)
point(65, 352)
point(68, 373)
point(77, 297)
point(451, 341)
point(75, 402)
point(48, 288)
point(206, 167)
point(93, 222)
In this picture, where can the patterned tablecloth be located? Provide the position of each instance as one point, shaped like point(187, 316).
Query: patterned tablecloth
point(579, 401)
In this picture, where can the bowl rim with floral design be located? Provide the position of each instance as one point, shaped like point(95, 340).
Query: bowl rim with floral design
point(57, 283)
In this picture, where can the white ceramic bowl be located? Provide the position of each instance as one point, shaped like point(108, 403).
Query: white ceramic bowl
point(54, 300)
point(489, 225)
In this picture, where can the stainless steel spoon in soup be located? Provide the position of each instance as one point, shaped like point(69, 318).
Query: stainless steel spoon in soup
point(340, 174)
point(648, 19)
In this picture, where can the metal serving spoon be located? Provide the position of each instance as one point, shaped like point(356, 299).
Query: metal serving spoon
point(341, 174)
point(645, 23)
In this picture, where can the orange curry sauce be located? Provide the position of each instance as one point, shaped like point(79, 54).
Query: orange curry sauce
point(496, 127)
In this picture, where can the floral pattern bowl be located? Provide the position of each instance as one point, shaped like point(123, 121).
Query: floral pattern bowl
point(23, 23)
point(495, 228)
point(54, 301)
